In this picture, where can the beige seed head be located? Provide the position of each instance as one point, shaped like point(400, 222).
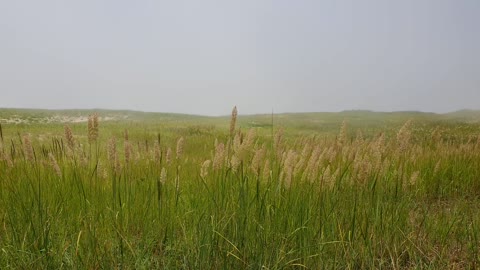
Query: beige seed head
point(258, 158)
point(163, 176)
point(327, 176)
point(112, 150)
point(288, 166)
point(168, 157)
point(235, 163)
point(250, 139)
point(69, 137)
point(204, 169)
point(437, 167)
point(54, 164)
point(233, 121)
point(104, 174)
point(278, 139)
point(414, 178)
point(28, 149)
point(237, 142)
point(219, 157)
point(180, 144)
point(436, 135)
point(359, 139)
point(266, 170)
point(310, 171)
point(92, 127)
point(303, 159)
point(403, 136)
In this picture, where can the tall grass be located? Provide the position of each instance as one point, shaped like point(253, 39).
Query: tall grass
point(240, 200)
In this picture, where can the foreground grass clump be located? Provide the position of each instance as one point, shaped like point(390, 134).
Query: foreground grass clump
point(264, 198)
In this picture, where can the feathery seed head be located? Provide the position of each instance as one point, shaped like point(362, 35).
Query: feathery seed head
point(163, 176)
point(403, 136)
point(235, 163)
point(204, 169)
point(92, 127)
point(180, 144)
point(258, 158)
point(414, 178)
point(278, 139)
point(168, 157)
point(112, 150)
point(233, 121)
point(219, 157)
point(69, 137)
point(54, 164)
point(266, 170)
point(28, 149)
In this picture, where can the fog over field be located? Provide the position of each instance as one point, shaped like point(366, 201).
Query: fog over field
point(203, 57)
point(324, 134)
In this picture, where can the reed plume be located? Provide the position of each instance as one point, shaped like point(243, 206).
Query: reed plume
point(266, 170)
point(5, 156)
point(28, 149)
point(168, 157)
point(289, 166)
point(257, 159)
point(219, 157)
point(163, 176)
point(403, 136)
point(204, 169)
point(242, 146)
point(92, 128)
point(235, 163)
point(312, 165)
point(54, 164)
point(69, 137)
point(359, 139)
point(180, 144)
point(233, 121)
point(437, 167)
point(299, 167)
point(414, 178)
point(112, 150)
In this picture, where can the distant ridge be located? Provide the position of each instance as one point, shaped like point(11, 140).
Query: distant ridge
point(463, 115)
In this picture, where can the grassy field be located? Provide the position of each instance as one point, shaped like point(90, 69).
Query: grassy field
point(133, 190)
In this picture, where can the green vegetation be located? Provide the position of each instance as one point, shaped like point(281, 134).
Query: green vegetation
point(349, 190)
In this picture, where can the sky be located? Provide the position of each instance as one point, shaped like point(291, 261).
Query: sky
point(204, 57)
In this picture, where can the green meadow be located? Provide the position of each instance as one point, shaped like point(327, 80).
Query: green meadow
point(132, 190)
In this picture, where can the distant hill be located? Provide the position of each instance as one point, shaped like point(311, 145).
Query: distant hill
point(465, 115)
point(311, 119)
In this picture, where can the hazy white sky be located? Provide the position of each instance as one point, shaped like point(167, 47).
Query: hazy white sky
point(203, 57)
